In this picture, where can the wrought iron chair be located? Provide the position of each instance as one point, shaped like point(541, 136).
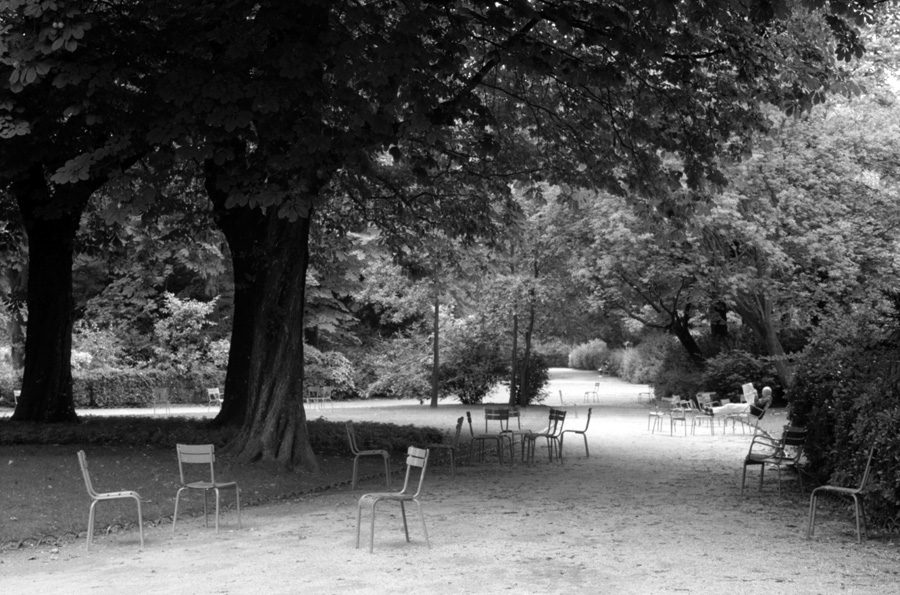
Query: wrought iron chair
point(415, 458)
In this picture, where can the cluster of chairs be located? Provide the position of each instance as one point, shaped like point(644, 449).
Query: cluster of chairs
point(202, 455)
point(782, 453)
point(417, 458)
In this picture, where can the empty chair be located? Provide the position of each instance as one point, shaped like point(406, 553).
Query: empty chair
point(654, 417)
point(325, 397)
point(354, 448)
point(562, 403)
point(562, 436)
point(97, 497)
point(203, 454)
point(854, 493)
point(678, 414)
point(593, 396)
point(700, 415)
point(312, 398)
point(515, 433)
point(16, 395)
point(415, 458)
point(214, 398)
point(482, 439)
point(161, 399)
point(784, 452)
point(551, 434)
point(452, 447)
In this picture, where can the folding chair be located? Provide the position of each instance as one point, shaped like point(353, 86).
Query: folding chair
point(415, 458)
point(97, 497)
point(203, 454)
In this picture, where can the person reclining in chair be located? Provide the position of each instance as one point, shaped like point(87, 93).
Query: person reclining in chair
point(762, 401)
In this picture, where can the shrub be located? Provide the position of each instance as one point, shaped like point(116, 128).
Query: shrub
point(554, 352)
point(533, 389)
point(593, 355)
point(470, 372)
point(133, 387)
point(329, 368)
point(845, 393)
point(725, 373)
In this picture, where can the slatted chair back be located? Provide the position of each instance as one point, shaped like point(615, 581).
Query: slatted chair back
point(82, 462)
point(196, 454)
point(415, 458)
point(556, 421)
point(351, 437)
point(499, 415)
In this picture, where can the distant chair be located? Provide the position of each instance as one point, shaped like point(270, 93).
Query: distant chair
point(482, 439)
point(214, 398)
point(161, 399)
point(415, 458)
point(452, 447)
point(325, 397)
point(562, 403)
point(854, 493)
point(203, 454)
point(16, 395)
point(562, 436)
point(354, 448)
point(593, 396)
point(97, 497)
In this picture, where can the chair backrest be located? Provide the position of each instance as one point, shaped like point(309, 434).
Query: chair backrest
point(497, 414)
point(351, 437)
point(471, 429)
point(793, 440)
point(416, 457)
point(326, 392)
point(588, 422)
point(459, 424)
point(16, 395)
point(82, 462)
point(196, 454)
point(556, 421)
point(213, 394)
point(515, 413)
point(865, 476)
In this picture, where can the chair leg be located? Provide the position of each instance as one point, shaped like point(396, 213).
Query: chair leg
point(358, 521)
point(452, 462)
point(175, 515)
point(811, 524)
point(387, 470)
point(372, 529)
point(140, 520)
point(355, 471)
point(216, 490)
point(587, 451)
point(743, 479)
point(424, 528)
point(90, 535)
point(237, 499)
point(405, 525)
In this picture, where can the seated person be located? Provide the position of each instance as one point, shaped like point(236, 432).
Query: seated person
point(755, 408)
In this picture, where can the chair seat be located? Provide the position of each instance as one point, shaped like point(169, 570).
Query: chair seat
point(208, 485)
point(111, 495)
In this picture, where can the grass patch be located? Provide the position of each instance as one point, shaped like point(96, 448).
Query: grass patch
point(43, 497)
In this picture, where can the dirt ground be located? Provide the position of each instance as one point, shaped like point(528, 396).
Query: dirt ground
point(646, 513)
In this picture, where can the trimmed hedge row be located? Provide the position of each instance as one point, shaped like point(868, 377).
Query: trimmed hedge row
point(326, 437)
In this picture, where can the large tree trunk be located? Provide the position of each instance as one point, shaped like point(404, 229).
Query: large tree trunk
point(526, 359)
point(274, 428)
point(244, 229)
point(264, 381)
point(756, 311)
point(51, 220)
